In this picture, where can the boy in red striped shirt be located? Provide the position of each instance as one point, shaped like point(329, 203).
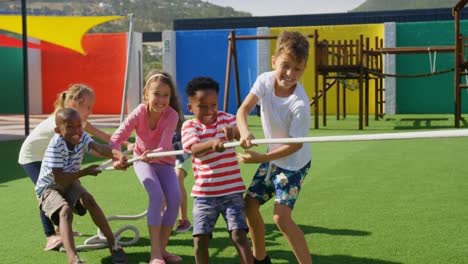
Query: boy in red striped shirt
point(218, 187)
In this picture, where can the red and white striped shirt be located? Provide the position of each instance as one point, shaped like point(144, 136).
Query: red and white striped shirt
point(216, 173)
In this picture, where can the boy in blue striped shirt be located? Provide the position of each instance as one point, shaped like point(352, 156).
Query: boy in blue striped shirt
point(58, 189)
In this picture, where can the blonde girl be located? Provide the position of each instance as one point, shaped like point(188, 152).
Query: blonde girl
point(154, 123)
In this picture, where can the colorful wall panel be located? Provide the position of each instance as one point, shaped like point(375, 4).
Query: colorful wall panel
point(11, 74)
point(427, 95)
point(344, 32)
point(102, 68)
point(204, 53)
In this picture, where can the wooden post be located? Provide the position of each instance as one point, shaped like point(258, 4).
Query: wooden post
point(344, 102)
point(366, 87)
point(316, 81)
point(457, 110)
point(337, 100)
point(236, 69)
point(361, 73)
point(228, 71)
point(324, 98)
point(381, 86)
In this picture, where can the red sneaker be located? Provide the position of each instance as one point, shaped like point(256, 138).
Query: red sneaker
point(171, 258)
point(183, 226)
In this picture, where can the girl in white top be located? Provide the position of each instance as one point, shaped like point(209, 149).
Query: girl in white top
point(81, 98)
point(285, 112)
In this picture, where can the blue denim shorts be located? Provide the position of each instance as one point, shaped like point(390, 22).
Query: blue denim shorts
point(284, 184)
point(206, 211)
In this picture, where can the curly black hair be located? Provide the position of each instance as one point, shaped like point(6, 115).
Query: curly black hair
point(201, 84)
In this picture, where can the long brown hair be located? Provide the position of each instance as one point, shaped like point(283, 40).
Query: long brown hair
point(164, 77)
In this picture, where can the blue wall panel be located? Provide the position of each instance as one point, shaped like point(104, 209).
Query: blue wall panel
point(204, 53)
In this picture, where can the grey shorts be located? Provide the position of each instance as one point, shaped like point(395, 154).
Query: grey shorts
point(206, 211)
point(55, 197)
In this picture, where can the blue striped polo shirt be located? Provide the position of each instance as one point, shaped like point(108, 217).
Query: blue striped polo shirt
point(58, 156)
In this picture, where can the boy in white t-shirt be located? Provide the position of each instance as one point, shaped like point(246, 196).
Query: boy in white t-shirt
point(285, 112)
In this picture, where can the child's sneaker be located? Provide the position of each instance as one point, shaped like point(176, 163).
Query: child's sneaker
point(78, 260)
point(266, 260)
point(183, 226)
point(171, 258)
point(118, 255)
point(157, 261)
point(53, 242)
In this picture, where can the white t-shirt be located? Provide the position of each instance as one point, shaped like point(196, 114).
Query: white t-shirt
point(284, 117)
point(36, 143)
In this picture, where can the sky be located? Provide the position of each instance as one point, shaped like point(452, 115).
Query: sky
point(289, 7)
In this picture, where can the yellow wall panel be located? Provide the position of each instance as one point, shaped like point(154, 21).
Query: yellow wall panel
point(330, 33)
point(65, 31)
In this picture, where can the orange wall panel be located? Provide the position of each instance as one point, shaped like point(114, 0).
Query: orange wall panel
point(102, 68)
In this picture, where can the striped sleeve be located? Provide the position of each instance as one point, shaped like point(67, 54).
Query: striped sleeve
point(189, 135)
point(54, 155)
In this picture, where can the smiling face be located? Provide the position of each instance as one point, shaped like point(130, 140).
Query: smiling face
point(158, 95)
point(204, 105)
point(69, 126)
point(84, 106)
point(288, 71)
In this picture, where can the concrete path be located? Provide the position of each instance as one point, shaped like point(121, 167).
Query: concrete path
point(12, 126)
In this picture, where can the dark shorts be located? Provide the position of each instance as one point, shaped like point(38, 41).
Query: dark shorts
point(206, 211)
point(54, 197)
point(284, 184)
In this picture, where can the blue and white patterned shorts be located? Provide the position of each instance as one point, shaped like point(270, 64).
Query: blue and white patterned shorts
point(206, 211)
point(284, 184)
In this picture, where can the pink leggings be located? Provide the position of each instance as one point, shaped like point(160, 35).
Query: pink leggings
point(160, 182)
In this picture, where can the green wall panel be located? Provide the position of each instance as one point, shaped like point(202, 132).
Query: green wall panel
point(427, 95)
point(11, 75)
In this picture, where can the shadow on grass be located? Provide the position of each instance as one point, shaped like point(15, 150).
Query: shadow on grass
point(335, 232)
point(287, 256)
point(283, 256)
point(220, 243)
point(427, 123)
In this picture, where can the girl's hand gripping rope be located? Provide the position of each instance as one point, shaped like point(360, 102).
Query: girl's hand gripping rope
point(144, 157)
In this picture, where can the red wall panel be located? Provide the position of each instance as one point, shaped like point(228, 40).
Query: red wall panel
point(102, 68)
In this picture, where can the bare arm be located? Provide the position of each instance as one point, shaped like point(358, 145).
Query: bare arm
point(105, 150)
point(251, 156)
point(200, 149)
point(66, 178)
point(245, 136)
point(102, 135)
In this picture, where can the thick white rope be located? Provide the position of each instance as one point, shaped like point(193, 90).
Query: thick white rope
point(368, 137)
point(100, 241)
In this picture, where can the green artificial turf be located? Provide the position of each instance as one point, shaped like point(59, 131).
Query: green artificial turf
point(382, 202)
